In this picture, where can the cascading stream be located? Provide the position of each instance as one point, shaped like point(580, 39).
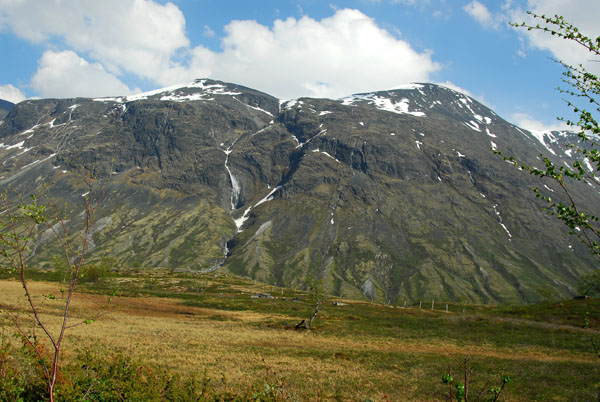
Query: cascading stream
point(235, 185)
point(235, 190)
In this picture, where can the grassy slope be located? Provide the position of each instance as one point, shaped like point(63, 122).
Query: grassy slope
point(359, 350)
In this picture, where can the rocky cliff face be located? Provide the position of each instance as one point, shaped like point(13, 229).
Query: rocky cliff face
point(5, 107)
point(391, 195)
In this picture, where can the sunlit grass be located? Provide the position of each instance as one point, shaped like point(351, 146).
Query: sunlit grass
point(208, 323)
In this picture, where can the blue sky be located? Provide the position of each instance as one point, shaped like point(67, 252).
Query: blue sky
point(292, 48)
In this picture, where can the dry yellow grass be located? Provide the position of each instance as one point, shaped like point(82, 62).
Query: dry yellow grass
point(224, 343)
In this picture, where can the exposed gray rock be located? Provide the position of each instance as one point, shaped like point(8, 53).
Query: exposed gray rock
point(383, 194)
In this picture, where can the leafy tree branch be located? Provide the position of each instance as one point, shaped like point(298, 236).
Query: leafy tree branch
point(19, 226)
point(582, 86)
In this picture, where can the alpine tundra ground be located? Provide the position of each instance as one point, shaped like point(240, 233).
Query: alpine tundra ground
point(211, 326)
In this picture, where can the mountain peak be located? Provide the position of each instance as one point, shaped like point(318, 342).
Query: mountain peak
point(397, 189)
point(199, 89)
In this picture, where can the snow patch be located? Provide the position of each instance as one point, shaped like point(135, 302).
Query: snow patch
point(25, 150)
point(255, 107)
point(326, 154)
point(109, 99)
point(29, 131)
point(291, 103)
point(495, 206)
point(541, 136)
point(472, 125)
point(239, 222)
point(180, 98)
point(409, 86)
point(175, 93)
point(17, 145)
point(38, 161)
point(466, 102)
point(383, 103)
point(31, 164)
point(260, 131)
point(471, 176)
point(301, 144)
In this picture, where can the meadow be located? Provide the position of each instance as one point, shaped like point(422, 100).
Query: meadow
point(214, 327)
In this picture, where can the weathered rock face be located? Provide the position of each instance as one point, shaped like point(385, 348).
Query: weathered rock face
point(392, 195)
point(5, 107)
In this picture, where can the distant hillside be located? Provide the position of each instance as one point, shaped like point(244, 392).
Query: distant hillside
point(5, 107)
point(393, 195)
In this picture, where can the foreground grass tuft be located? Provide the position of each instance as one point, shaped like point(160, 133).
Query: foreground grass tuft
point(206, 336)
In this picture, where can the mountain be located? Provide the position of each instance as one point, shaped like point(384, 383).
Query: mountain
point(5, 107)
point(392, 195)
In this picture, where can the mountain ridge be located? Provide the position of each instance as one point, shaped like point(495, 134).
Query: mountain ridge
point(388, 195)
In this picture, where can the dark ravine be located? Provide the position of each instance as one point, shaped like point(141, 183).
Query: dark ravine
point(392, 195)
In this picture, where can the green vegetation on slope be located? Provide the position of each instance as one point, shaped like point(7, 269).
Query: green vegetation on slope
point(194, 323)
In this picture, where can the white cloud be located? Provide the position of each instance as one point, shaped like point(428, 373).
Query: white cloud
point(455, 87)
point(482, 15)
point(584, 15)
point(208, 32)
point(337, 56)
point(420, 3)
point(11, 93)
point(138, 36)
point(451, 85)
point(65, 74)
point(527, 122)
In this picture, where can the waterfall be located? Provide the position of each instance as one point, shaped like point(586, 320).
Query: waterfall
point(235, 184)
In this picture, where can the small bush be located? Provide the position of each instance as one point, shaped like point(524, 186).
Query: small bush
point(101, 376)
point(21, 378)
point(96, 272)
